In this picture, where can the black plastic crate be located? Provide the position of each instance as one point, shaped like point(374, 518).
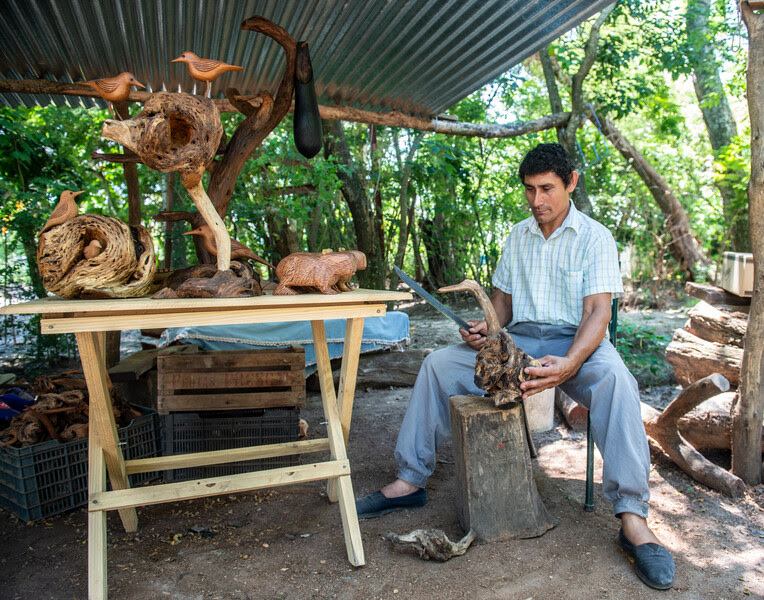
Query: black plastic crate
point(185, 432)
point(50, 478)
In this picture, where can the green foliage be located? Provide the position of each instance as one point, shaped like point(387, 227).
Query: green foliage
point(644, 353)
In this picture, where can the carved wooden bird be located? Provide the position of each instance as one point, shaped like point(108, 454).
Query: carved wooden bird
point(238, 250)
point(205, 69)
point(114, 89)
point(64, 210)
point(93, 249)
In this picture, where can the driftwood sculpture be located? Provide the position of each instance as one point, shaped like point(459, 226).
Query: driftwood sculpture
point(328, 272)
point(431, 543)
point(178, 133)
point(96, 256)
point(205, 281)
point(499, 366)
point(205, 69)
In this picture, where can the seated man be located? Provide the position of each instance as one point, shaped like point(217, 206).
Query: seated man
point(553, 289)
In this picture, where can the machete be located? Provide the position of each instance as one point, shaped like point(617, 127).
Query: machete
point(432, 300)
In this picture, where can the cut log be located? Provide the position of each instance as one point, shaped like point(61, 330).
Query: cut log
point(497, 496)
point(717, 325)
point(715, 295)
point(576, 415)
point(694, 358)
point(662, 427)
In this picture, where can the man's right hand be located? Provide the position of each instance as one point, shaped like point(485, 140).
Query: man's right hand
point(475, 337)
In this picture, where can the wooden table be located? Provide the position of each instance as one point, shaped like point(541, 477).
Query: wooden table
point(90, 319)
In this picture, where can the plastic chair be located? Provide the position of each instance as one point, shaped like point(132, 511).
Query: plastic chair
point(589, 501)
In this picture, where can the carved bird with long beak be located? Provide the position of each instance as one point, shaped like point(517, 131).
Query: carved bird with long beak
point(205, 69)
point(238, 250)
point(65, 209)
point(114, 89)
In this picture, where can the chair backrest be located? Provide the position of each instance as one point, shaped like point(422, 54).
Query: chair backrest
point(613, 326)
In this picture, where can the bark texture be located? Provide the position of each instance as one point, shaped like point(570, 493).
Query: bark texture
point(124, 267)
point(717, 116)
point(663, 428)
point(747, 412)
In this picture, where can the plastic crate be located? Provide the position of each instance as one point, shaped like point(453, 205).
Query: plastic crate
point(50, 478)
point(184, 432)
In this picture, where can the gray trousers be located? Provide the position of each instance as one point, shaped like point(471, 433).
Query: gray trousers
point(603, 385)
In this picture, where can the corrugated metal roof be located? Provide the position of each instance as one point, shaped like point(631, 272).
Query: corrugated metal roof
point(416, 56)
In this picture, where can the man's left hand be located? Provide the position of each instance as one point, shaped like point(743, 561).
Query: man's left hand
point(553, 371)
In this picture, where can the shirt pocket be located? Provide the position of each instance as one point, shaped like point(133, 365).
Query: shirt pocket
point(572, 294)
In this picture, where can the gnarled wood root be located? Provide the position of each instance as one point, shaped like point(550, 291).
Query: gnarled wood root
point(431, 543)
point(663, 428)
point(205, 281)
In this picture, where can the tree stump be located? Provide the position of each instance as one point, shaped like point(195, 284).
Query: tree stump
point(497, 496)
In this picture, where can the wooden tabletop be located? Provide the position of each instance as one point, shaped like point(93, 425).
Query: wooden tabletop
point(56, 305)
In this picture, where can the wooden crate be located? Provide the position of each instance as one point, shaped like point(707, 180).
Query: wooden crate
point(231, 379)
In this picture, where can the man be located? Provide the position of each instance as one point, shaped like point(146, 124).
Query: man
point(553, 288)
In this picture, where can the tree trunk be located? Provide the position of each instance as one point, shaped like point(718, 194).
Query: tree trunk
point(566, 134)
point(169, 201)
point(747, 413)
point(684, 247)
point(30, 253)
point(406, 209)
point(361, 209)
point(720, 124)
point(131, 177)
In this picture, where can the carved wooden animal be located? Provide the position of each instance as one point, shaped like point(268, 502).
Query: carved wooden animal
point(327, 272)
point(65, 209)
point(114, 89)
point(238, 250)
point(205, 69)
point(500, 365)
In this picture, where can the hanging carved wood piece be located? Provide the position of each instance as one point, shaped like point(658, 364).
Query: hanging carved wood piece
point(96, 256)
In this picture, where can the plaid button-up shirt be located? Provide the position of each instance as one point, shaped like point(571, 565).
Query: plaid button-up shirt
point(548, 279)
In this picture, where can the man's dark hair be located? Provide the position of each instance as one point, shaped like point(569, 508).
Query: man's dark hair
point(546, 158)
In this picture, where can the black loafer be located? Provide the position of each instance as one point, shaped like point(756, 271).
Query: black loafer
point(653, 563)
point(377, 504)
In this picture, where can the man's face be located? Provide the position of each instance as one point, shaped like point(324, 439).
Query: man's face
point(549, 199)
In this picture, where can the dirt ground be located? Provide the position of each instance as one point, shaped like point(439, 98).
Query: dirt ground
point(288, 543)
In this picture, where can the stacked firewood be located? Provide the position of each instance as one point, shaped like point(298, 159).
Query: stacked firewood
point(712, 338)
point(60, 412)
point(706, 356)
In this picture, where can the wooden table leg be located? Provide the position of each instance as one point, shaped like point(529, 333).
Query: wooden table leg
point(97, 587)
point(352, 531)
point(348, 373)
point(103, 428)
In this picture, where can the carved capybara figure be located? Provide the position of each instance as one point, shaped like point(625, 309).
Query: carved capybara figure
point(328, 272)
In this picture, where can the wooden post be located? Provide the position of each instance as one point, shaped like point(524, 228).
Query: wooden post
point(497, 496)
point(169, 200)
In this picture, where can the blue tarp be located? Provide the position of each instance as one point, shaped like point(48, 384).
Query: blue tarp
point(378, 333)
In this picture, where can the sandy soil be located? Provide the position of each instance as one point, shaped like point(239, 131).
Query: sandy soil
point(288, 542)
